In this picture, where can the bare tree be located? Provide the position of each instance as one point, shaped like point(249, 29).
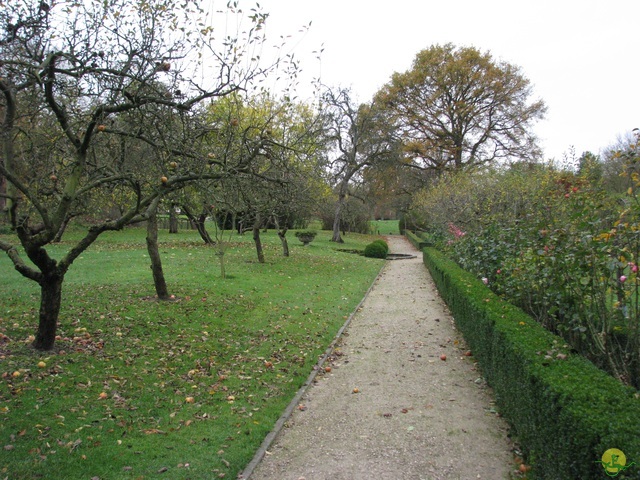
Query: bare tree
point(352, 131)
point(74, 76)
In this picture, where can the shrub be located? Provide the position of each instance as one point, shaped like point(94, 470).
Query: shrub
point(375, 250)
point(565, 412)
point(306, 236)
point(383, 243)
point(555, 244)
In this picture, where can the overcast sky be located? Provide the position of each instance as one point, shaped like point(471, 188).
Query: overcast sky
point(582, 57)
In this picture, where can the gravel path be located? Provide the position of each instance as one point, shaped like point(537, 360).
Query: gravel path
point(390, 408)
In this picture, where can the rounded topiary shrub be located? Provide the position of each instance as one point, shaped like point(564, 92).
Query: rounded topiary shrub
point(306, 236)
point(383, 243)
point(375, 250)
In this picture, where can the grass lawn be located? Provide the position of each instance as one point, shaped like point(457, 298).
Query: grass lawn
point(188, 389)
point(385, 227)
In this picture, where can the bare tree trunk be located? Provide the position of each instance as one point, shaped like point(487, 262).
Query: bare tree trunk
point(282, 233)
point(221, 223)
point(336, 221)
point(3, 192)
point(50, 301)
point(173, 220)
point(199, 223)
point(154, 254)
point(256, 239)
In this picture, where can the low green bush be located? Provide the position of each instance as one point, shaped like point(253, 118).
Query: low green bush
point(564, 411)
point(375, 250)
point(383, 243)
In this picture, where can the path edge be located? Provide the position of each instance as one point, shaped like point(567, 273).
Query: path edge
point(279, 425)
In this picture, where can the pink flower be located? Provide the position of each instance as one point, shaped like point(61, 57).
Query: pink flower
point(485, 280)
point(498, 271)
point(455, 231)
point(633, 267)
point(623, 278)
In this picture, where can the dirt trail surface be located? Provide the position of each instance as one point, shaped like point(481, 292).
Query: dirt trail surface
point(390, 408)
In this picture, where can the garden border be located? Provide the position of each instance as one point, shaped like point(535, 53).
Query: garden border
point(564, 411)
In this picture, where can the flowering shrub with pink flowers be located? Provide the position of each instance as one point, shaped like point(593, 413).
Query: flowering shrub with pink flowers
point(556, 243)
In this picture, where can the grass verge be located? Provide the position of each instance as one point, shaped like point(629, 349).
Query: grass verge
point(188, 389)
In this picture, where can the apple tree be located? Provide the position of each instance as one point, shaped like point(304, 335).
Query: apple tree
point(82, 87)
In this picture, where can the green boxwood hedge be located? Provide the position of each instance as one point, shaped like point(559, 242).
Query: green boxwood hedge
point(417, 242)
point(564, 411)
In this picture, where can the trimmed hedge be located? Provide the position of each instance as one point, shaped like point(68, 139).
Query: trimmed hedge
point(565, 411)
point(417, 242)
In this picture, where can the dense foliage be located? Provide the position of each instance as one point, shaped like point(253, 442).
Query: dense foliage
point(564, 411)
point(375, 250)
point(459, 107)
point(557, 244)
point(383, 244)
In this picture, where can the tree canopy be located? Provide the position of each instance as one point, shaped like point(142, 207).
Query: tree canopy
point(458, 107)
